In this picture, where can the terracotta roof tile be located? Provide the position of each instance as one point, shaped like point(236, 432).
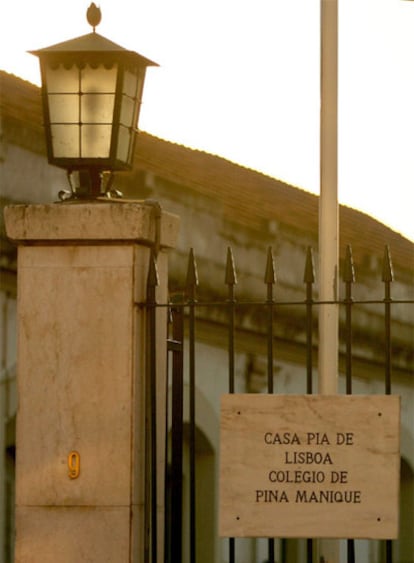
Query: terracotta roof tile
point(244, 195)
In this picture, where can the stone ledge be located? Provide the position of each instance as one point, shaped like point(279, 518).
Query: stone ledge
point(105, 220)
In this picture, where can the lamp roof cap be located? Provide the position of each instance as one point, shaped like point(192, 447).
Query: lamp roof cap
point(90, 43)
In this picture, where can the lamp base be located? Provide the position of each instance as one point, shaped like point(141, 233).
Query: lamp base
point(88, 185)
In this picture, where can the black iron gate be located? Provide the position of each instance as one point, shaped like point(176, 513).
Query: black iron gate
point(183, 317)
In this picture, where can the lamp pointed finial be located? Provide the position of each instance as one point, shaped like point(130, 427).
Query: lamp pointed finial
point(93, 15)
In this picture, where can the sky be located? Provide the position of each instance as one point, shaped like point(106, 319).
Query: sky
point(241, 79)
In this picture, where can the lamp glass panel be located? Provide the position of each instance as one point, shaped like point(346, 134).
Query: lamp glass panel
point(65, 141)
point(127, 111)
point(99, 79)
point(130, 85)
point(124, 140)
point(63, 108)
point(61, 79)
point(97, 108)
point(95, 141)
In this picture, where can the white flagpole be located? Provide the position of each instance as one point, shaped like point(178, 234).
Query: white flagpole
point(328, 201)
point(328, 550)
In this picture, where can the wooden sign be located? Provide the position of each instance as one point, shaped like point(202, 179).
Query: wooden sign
point(299, 466)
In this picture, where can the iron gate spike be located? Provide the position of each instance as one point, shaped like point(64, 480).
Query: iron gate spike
point(309, 275)
point(153, 279)
point(231, 276)
point(387, 269)
point(270, 275)
point(349, 270)
point(192, 272)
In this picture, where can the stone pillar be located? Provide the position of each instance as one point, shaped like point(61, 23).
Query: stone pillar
point(81, 364)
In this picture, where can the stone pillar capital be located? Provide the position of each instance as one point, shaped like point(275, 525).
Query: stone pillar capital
point(107, 220)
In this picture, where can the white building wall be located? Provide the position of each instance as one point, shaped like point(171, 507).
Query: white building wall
point(8, 407)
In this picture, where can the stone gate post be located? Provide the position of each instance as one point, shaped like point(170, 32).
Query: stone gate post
point(82, 268)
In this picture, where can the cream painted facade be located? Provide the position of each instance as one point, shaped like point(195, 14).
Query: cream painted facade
point(206, 226)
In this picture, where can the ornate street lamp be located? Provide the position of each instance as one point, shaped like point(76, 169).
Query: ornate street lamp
point(91, 92)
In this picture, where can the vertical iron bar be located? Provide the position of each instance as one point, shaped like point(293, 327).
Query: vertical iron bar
point(154, 533)
point(283, 549)
point(309, 279)
point(350, 546)
point(349, 279)
point(388, 551)
point(167, 487)
point(177, 432)
point(192, 283)
point(230, 281)
point(270, 280)
point(147, 438)
point(167, 475)
point(309, 550)
point(150, 518)
point(387, 278)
